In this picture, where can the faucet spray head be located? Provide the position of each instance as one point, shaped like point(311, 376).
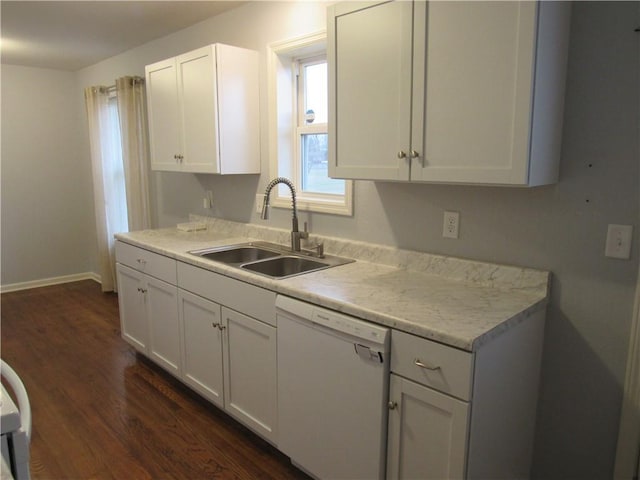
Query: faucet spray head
point(265, 208)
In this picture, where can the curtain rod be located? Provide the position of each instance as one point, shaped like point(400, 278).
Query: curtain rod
point(132, 80)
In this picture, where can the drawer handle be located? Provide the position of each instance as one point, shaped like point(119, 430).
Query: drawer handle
point(141, 261)
point(423, 365)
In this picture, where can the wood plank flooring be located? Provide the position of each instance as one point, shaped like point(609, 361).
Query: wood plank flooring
point(101, 411)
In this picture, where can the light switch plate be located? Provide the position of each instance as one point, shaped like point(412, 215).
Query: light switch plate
point(618, 241)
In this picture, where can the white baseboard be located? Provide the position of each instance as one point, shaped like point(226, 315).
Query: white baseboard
point(14, 287)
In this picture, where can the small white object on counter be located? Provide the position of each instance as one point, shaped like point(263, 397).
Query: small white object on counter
point(191, 226)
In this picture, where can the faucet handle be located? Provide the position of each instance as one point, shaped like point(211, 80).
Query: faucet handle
point(305, 232)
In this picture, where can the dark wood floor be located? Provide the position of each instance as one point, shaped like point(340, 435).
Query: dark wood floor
point(101, 411)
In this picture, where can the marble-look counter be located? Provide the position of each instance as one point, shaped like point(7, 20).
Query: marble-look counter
point(458, 302)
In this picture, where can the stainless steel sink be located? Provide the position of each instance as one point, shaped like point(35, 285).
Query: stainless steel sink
point(269, 259)
point(238, 254)
point(285, 266)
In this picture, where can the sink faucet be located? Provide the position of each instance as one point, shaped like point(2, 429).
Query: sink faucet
point(296, 235)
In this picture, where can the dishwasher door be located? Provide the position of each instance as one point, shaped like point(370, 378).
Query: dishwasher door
point(333, 375)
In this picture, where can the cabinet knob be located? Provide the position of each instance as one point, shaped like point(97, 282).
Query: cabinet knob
point(392, 405)
point(221, 327)
point(414, 154)
point(402, 154)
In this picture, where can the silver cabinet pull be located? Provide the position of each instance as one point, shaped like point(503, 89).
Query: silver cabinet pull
point(418, 363)
point(402, 154)
point(392, 405)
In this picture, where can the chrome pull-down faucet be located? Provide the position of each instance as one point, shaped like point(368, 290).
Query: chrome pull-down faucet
point(296, 235)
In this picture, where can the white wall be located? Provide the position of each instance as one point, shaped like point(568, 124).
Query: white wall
point(47, 208)
point(560, 228)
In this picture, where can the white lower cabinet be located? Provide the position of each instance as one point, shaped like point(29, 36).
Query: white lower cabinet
point(229, 357)
point(149, 305)
point(201, 328)
point(164, 335)
point(456, 414)
point(250, 363)
point(134, 325)
point(427, 432)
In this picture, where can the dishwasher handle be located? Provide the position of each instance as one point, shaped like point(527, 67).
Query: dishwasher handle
point(368, 354)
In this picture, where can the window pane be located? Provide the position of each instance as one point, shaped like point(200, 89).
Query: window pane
point(315, 176)
point(315, 93)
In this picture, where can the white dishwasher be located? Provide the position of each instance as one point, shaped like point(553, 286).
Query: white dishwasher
point(333, 389)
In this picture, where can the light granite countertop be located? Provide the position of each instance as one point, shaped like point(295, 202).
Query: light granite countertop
point(458, 302)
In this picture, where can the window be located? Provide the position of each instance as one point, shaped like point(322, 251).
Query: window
point(114, 171)
point(298, 103)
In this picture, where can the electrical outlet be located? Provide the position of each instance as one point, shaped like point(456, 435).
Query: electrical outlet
point(618, 241)
point(259, 202)
point(451, 224)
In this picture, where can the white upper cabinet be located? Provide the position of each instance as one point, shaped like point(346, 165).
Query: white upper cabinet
point(204, 111)
point(450, 92)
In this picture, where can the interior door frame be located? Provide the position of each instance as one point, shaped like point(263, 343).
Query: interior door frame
point(627, 464)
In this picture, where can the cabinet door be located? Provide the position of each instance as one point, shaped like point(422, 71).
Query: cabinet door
point(198, 115)
point(473, 91)
point(369, 51)
point(164, 116)
point(201, 346)
point(164, 333)
point(427, 433)
point(238, 99)
point(250, 372)
point(131, 300)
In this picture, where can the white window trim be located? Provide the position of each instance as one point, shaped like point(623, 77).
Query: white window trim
point(282, 115)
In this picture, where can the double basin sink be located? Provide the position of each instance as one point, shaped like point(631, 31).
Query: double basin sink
point(269, 259)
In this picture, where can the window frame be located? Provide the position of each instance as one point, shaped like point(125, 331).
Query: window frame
point(284, 117)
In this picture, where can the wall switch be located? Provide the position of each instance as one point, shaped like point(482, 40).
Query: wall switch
point(618, 241)
point(451, 224)
point(259, 202)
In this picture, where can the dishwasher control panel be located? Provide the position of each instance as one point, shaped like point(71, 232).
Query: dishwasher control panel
point(349, 325)
point(360, 329)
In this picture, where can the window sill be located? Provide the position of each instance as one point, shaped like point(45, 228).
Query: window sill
point(339, 207)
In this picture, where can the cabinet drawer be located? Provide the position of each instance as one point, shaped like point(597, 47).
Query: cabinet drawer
point(243, 297)
point(432, 364)
point(148, 262)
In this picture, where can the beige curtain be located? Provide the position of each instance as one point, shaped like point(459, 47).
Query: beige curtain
point(108, 185)
point(132, 113)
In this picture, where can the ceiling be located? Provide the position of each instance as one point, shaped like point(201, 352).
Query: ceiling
point(70, 35)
